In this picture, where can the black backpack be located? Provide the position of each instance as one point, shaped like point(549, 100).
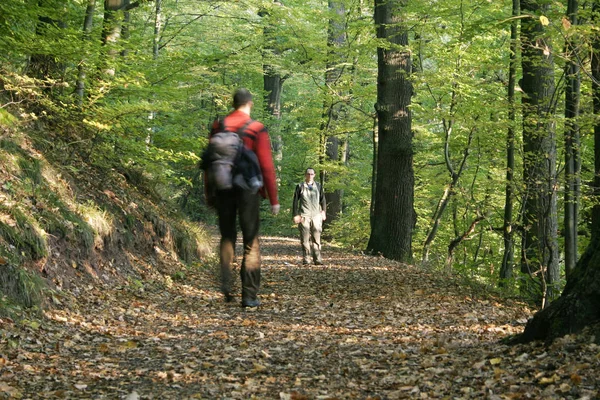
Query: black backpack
point(228, 163)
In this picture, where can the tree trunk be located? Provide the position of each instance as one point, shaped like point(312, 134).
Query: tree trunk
point(111, 32)
point(81, 68)
point(273, 86)
point(572, 163)
point(394, 214)
point(157, 28)
point(448, 191)
point(579, 304)
point(336, 38)
point(506, 269)
point(539, 253)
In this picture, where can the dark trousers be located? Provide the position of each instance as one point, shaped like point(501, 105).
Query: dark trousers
point(231, 204)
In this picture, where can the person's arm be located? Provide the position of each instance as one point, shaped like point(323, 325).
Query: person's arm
point(262, 148)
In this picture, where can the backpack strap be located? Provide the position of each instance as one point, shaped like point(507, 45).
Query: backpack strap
point(242, 130)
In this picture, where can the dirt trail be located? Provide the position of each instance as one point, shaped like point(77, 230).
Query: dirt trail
point(357, 328)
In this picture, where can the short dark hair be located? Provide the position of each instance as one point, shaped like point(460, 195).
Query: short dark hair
point(241, 97)
point(309, 169)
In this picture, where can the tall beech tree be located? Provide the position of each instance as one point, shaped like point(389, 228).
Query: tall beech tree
point(572, 145)
point(579, 304)
point(394, 215)
point(539, 255)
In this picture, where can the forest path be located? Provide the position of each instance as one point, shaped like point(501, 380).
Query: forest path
point(357, 328)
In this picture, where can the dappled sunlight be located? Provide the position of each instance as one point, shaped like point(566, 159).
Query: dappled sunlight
point(352, 328)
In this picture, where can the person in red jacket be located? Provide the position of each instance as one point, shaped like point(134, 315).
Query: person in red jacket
point(233, 202)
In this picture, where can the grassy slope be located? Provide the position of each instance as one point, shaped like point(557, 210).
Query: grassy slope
point(69, 223)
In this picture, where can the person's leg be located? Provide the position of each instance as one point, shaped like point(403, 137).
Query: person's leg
point(315, 236)
point(248, 205)
point(304, 228)
point(226, 210)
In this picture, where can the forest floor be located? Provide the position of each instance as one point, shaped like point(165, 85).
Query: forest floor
point(356, 328)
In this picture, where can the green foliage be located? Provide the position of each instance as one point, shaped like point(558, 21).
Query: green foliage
point(19, 288)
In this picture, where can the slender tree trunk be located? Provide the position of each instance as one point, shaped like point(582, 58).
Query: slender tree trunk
point(81, 68)
point(273, 87)
point(394, 215)
point(126, 31)
point(539, 254)
point(336, 39)
point(111, 32)
point(448, 191)
point(157, 29)
point(506, 269)
point(572, 164)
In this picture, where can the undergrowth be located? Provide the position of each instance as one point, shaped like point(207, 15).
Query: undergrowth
point(58, 208)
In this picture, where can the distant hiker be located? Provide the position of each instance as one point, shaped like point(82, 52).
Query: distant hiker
point(235, 201)
point(308, 209)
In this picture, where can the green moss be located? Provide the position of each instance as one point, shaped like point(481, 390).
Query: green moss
point(24, 234)
point(20, 286)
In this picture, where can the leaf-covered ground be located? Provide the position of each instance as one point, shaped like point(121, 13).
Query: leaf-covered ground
point(356, 328)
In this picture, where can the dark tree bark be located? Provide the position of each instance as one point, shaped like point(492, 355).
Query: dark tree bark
point(273, 86)
point(579, 304)
point(572, 158)
point(539, 254)
point(394, 214)
point(506, 269)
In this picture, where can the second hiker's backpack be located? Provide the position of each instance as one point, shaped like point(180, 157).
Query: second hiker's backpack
point(228, 163)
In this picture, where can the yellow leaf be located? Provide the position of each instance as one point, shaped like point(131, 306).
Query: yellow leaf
point(544, 21)
point(549, 380)
point(495, 361)
point(259, 367)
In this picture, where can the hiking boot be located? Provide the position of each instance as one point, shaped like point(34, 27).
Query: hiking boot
point(250, 303)
point(318, 262)
point(228, 297)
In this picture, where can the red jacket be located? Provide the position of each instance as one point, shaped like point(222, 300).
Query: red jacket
point(256, 139)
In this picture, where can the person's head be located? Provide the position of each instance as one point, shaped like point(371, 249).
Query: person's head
point(242, 97)
point(309, 175)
